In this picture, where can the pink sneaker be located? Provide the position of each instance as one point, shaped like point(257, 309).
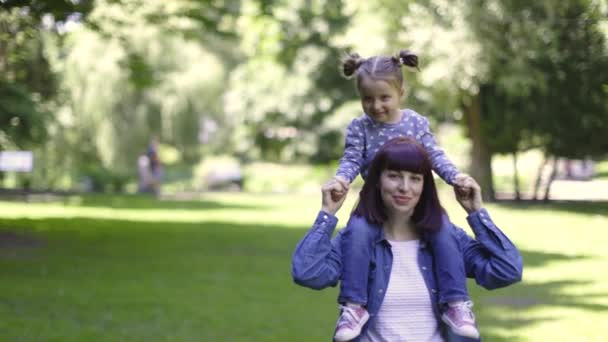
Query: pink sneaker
point(461, 320)
point(350, 323)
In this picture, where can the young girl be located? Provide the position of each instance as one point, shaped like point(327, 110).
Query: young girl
point(379, 81)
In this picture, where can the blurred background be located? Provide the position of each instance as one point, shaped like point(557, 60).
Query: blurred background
point(159, 160)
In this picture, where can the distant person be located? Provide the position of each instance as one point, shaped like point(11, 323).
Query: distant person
point(150, 170)
point(379, 81)
point(152, 149)
point(397, 214)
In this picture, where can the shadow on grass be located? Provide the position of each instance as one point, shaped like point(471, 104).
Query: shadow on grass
point(540, 259)
point(527, 295)
point(583, 207)
point(146, 279)
point(223, 238)
point(144, 202)
point(127, 201)
point(203, 271)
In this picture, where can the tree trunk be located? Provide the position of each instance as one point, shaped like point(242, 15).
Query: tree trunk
point(516, 178)
point(539, 177)
point(551, 178)
point(481, 158)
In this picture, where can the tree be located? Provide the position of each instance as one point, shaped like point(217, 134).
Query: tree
point(56, 10)
point(289, 84)
point(25, 81)
point(547, 62)
point(28, 86)
point(453, 69)
point(496, 60)
point(142, 81)
point(113, 73)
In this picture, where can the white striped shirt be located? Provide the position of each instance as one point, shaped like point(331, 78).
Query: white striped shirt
point(406, 313)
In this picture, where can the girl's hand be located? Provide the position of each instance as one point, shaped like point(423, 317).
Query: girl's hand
point(468, 194)
point(460, 183)
point(338, 194)
point(333, 195)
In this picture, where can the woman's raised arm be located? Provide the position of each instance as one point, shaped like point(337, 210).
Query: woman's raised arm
point(316, 261)
point(491, 258)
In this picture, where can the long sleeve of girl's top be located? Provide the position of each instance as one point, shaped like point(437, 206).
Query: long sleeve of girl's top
point(492, 259)
point(316, 262)
point(354, 146)
point(439, 161)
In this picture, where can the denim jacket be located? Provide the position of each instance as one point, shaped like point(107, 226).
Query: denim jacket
point(491, 259)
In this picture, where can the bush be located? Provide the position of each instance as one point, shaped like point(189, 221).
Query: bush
point(99, 179)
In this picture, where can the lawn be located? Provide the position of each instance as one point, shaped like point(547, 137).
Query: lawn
point(130, 268)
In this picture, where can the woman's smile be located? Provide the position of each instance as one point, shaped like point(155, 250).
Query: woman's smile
point(402, 200)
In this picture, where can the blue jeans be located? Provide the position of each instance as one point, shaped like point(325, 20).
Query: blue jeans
point(358, 246)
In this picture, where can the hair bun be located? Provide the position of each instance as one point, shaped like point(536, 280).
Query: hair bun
point(350, 63)
point(406, 57)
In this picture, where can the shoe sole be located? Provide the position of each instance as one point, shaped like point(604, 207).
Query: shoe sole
point(458, 331)
point(357, 333)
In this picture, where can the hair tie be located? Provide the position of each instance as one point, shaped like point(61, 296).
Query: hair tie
point(407, 58)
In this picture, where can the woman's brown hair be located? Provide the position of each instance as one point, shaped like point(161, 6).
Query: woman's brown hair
point(401, 154)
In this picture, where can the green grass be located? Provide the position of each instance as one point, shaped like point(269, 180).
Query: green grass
point(131, 268)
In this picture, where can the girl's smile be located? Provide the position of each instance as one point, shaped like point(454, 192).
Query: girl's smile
point(380, 100)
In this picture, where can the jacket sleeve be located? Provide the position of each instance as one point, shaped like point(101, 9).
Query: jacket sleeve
point(316, 261)
point(354, 146)
point(491, 258)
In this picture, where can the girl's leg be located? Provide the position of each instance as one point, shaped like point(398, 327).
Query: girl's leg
point(356, 259)
point(452, 281)
point(449, 265)
point(357, 245)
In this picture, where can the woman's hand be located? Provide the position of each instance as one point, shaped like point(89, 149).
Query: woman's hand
point(334, 193)
point(468, 194)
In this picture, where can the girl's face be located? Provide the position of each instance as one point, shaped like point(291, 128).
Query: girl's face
point(400, 191)
point(380, 100)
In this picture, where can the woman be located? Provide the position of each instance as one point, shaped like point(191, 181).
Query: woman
point(399, 209)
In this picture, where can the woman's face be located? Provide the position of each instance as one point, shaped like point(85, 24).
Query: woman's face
point(400, 191)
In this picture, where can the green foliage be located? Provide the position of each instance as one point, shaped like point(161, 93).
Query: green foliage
point(60, 10)
point(150, 82)
point(99, 179)
point(289, 83)
point(546, 79)
point(25, 81)
point(93, 81)
point(533, 67)
point(21, 122)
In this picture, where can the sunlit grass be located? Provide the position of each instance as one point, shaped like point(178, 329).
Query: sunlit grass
point(216, 268)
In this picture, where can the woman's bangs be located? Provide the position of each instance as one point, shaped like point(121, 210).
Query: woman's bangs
point(406, 158)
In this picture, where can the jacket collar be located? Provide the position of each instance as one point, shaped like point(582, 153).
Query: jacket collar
point(381, 237)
